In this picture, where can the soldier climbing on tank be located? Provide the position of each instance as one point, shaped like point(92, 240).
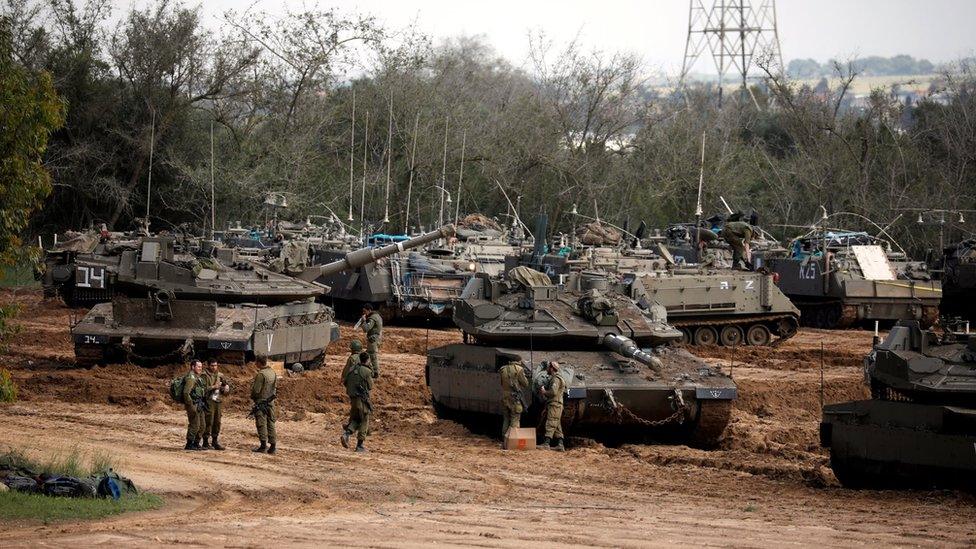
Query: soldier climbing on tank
point(739, 236)
point(553, 395)
point(514, 383)
point(216, 387)
point(357, 378)
point(263, 393)
point(192, 398)
point(372, 326)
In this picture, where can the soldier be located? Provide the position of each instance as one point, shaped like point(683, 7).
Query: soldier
point(217, 387)
point(372, 326)
point(554, 408)
point(193, 393)
point(739, 235)
point(513, 383)
point(263, 393)
point(357, 377)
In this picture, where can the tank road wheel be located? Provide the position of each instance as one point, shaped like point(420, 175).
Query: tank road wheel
point(705, 335)
point(685, 336)
point(787, 327)
point(832, 316)
point(731, 335)
point(758, 335)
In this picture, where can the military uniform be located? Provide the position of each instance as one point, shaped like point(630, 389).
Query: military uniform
point(514, 383)
point(262, 389)
point(358, 381)
point(554, 409)
point(213, 412)
point(373, 328)
point(738, 234)
point(193, 393)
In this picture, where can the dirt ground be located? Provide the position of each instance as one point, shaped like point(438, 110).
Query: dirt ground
point(429, 481)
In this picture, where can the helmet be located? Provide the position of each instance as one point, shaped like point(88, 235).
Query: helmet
point(355, 346)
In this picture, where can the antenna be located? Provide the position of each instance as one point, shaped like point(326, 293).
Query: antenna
point(733, 32)
point(698, 206)
point(389, 162)
point(440, 216)
point(457, 205)
point(352, 150)
point(413, 155)
point(362, 199)
point(213, 200)
point(152, 145)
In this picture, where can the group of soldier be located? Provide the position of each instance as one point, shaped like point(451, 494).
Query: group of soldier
point(514, 383)
point(205, 388)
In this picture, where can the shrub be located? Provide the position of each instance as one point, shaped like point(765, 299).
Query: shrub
point(8, 391)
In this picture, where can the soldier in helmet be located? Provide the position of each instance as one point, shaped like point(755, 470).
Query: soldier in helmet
point(372, 326)
point(192, 397)
point(553, 395)
point(264, 390)
point(357, 378)
point(513, 383)
point(739, 235)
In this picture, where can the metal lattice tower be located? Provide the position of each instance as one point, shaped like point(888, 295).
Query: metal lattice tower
point(733, 32)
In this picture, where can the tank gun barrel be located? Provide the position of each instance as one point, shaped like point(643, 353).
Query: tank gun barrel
point(365, 256)
point(626, 347)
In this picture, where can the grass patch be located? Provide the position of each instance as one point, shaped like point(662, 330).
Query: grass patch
point(21, 506)
point(68, 463)
point(8, 391)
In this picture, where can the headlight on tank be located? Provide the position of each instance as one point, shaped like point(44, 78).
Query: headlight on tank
point(472, 266)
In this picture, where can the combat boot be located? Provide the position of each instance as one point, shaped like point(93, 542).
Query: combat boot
point(206, 443)
point(559, 447)
point(216, 445)
point(271, 448)
point(360, 448)
point(261, 449)
point(546, 443)
point(189, 445)
point(344, 439)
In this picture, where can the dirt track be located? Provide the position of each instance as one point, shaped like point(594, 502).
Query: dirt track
point(430, 481)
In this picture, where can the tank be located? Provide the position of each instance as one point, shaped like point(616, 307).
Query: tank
point(959, 281)
point(80, 268)
point(625, 378)
point(846, 278)
point(179, 307)
point(919, 427)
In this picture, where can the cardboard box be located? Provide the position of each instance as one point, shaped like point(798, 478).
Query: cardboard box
point(520, 439)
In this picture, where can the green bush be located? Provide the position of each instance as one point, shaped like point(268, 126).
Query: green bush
point(8, 391)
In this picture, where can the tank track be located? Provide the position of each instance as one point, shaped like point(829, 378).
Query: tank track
point(834, 314)
point(713, 417)
point(770, 321)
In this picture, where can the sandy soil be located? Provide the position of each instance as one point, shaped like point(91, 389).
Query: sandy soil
point(430, 481)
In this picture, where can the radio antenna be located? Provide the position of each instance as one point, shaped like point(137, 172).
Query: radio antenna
point(440, 214)
point(413, 156)
point(152, 145)
point(213, 200)
point(389, 162)
point(457, 204)
point(352, 150)
point(362, 199)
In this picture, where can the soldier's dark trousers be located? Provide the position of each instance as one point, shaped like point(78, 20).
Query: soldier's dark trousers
point(358, 419)
point(194, 422)
point(211, 426)
point(265, 423)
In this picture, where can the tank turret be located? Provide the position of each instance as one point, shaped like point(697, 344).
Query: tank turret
point(627, 379)
point(919, 427)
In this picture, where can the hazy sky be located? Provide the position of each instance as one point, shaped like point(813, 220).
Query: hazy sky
point(940, 30)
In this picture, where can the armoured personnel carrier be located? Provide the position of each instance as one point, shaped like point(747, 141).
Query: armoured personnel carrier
point(177, 306)
point(842, 278)
point(623, 375)
point(959, 281)
point(919, 427)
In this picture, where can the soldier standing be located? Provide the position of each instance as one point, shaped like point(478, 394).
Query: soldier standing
point(372, 326)
point(217, 387)
point(739, 235)
point(357, 377)
point(192, 397)
point(263, 393)
point(513, 383)
point(554, 408)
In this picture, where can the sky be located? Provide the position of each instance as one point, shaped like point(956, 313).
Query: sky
point(939, 30)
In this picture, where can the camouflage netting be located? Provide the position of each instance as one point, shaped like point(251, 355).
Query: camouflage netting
point(78, 242)
point(477, 224)
point(529, 277)
point(596, 234)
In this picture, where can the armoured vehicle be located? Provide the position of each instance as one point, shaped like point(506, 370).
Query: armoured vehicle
point(80, 268)
point(178, 306)
point(623, 375)
point(959, 281)
point(842, 278)
point(919, 427)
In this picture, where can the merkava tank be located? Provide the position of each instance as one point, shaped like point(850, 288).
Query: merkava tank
point(842, 278)
point(959, 281)
point(623, 376)
point(919, 427)
point(169, 306)
point(80, 269)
